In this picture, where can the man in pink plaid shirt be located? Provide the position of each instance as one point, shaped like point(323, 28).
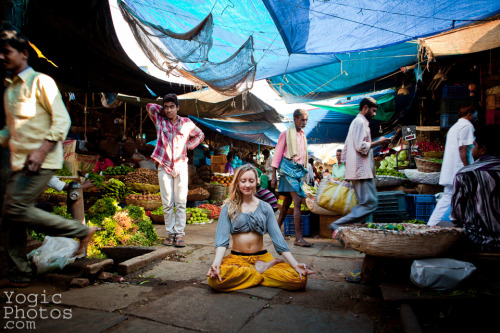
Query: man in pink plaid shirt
point(175, 135)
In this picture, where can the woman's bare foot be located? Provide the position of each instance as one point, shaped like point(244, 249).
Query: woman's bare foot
point(84, 242)
point(262, 266)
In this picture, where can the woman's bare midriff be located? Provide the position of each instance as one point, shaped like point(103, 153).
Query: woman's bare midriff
point(248, 242)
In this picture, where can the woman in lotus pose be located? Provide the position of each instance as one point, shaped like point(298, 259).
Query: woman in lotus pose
point(247, 219)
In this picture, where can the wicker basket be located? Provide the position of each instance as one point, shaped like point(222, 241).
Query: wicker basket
point(144, 187)
point(146, 204)
point(157, 219)
point(427, 166)
point(416, 241)
point(434, 154)
point(217, 192)
point(197, 197)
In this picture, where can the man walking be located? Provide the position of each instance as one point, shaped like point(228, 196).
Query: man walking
point(37, 123)
point(175, 136)
point(290, 157)
point(457, 154)
point(359, 165)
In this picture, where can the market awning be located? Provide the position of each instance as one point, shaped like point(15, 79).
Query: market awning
point(210, 104)
point(79, 37)
point(256, 132)
point(385, 110)
point(470, 39)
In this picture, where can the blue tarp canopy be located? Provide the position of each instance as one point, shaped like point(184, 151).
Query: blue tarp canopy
point(312, 50)
point(258, 132)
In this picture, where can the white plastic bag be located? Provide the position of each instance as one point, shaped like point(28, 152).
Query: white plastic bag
point(54, 254)
point(440, 273)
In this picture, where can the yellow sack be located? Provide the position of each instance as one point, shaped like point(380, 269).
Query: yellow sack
point(338, 198)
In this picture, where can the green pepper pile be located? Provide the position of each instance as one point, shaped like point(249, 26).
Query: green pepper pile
point(119, 170)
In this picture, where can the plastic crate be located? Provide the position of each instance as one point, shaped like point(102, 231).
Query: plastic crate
point(289, 225)
point(454, 105)
point(390, 201)
point(420, 206)
point(455, 92)
point(390, 217)
point(448, 119)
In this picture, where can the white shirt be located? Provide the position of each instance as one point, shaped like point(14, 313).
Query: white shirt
point(310, 173)
point(357, 153)
point(56, 183)
point(460, 134)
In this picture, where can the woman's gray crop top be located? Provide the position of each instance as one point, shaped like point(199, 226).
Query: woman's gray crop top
point(262, 220)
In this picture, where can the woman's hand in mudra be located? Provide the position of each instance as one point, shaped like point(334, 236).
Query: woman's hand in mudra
point(302, 270)
point(214, 272)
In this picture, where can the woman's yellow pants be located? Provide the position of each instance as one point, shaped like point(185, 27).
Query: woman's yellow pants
point(238, 272)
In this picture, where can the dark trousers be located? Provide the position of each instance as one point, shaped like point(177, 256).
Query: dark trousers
point(20, 214)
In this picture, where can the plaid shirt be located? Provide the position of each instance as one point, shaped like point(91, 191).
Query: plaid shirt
point(173, 139)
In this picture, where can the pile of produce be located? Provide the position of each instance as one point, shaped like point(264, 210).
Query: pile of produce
point(198, 191)
point(128, 226)
point(198, 216)
point(385, 172)
point(205, 173)
point(145, 196)
point(142, 176)
point(158, 211)
point(218, 203)
point(435, 160)
point(115, 189)
point(221, 180)
point(302, 207)
point(64, 172)
point(96, 178)
point(102, 208)
point(391, 226)
point(215, 210)
point(388, 226)
point(426, 146)
point(309, 189)
point(119, 170)
point(389, 163)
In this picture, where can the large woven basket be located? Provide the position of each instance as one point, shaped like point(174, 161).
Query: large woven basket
point(144, 187)
point(433, 154)
point(197, 197)
point(146, 204)
point(429, 178)
point(157, 219)
point(416, 241)
point(427, 166)
point(217, 192)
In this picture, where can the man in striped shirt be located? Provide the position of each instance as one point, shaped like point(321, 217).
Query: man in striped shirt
point(175, 135)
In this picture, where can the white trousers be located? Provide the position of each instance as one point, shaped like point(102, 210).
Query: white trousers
point(174, 193)
point(442, 206)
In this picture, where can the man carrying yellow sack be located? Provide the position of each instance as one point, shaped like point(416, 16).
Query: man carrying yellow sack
point(359, 167)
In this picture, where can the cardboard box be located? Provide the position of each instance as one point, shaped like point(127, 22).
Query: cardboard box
point(218, 159)
point(219, 168)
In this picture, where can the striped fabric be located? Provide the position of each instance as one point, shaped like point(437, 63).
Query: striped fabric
point(476, 202)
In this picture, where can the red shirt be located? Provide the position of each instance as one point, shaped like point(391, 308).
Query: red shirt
point(173, 139)
point(101, 166)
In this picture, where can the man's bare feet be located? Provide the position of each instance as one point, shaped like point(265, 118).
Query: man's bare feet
point(84, 242)
point(262, 266)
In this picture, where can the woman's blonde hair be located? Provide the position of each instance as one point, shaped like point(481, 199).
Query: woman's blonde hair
point(235, 199)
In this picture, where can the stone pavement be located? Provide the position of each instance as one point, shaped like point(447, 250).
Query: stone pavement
point(172, 296)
